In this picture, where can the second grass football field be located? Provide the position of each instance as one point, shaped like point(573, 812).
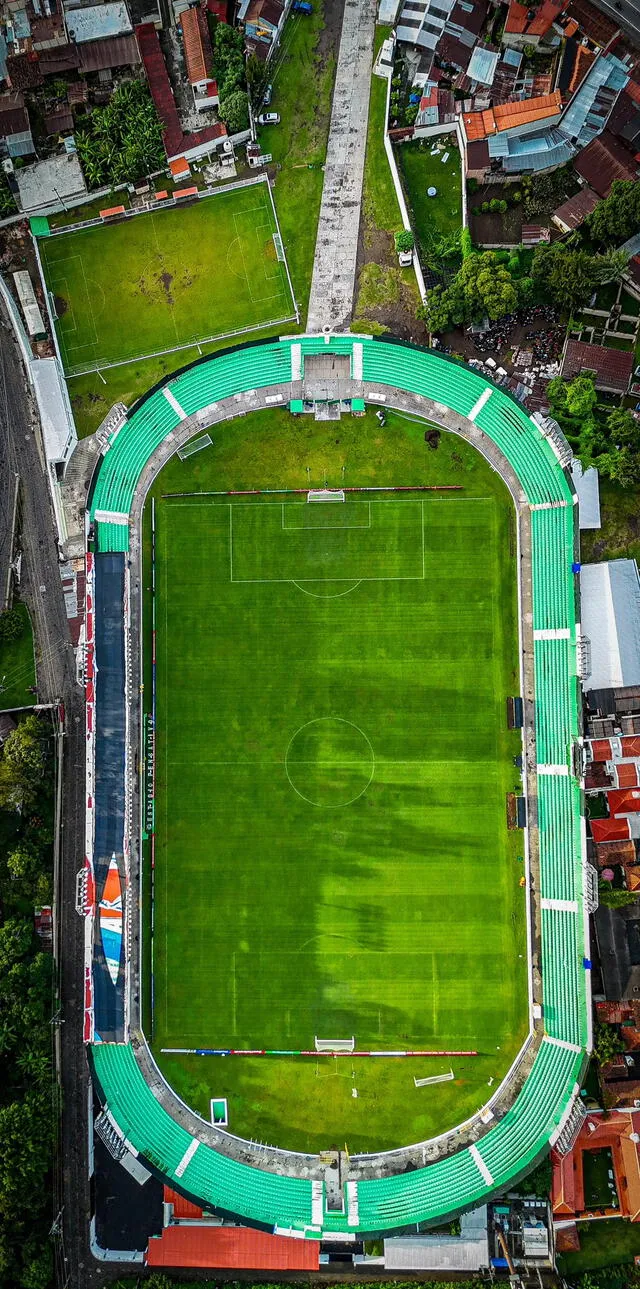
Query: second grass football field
point(166, 279)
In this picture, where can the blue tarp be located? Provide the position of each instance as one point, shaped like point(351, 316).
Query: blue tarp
point(109, 774)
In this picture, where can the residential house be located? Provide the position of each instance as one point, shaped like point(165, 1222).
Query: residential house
point(177, 143)
point(572, 213)
point(262, 21)
point(525, 26)
point(617, 1132)
point(15, 131)
point(450, 27)
point(198, 57)
point(520, 136)
point(583, 16)
point(612, 367)
point(604, 160)
point(97, 21)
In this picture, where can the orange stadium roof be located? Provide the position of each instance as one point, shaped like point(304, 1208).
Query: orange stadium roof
point(231, 1248)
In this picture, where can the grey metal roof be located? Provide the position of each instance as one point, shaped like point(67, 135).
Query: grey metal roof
point(610, 614)
point(98, 21)
point(587, 486)
point(465, 1252)
point(482, 66)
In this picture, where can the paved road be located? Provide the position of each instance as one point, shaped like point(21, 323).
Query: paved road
point(42, 590)
point(334, 268)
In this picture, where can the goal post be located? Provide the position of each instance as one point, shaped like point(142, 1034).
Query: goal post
point(335, 1044)
point(325, 494)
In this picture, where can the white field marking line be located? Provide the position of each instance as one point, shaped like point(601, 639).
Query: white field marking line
point(93, 316)
point(480, 1165)
point(313, 528)
point(231, 543)
point(282, 581)
point(255, 299)
point(55, 285)
point(337, 595)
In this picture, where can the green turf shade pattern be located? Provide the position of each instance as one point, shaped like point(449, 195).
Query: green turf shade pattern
point(166, 279)
point(332, 764)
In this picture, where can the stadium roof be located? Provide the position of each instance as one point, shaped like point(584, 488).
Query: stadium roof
point(467, 1251)
point(610, 603)
point(231, 1248)
point(612, 367)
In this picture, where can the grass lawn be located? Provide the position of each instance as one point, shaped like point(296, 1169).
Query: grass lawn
point(433, 217)
point(302, 75)
point(166, 279)
point(619, 536)
point(608, 1242)
point(387, 295)
point(17, 667)
point(332, 761)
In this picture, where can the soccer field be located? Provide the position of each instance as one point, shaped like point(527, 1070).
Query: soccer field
point(166, 279)
point(332, 760)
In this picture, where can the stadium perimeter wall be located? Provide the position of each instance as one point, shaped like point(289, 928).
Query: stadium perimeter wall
point(546, 1081)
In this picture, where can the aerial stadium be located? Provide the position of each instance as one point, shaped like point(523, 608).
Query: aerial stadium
point(336, 898)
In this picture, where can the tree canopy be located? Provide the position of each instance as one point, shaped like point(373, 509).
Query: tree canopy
point(482, 287)
point(568, 277)
point(617, 218)
point(27, 1107)
point(122, 141)
point(607, 439)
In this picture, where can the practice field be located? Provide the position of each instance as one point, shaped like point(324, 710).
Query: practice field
point(166, 279)
point(331, 856)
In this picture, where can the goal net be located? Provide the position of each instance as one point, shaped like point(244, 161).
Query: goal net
point(325, 494)
point(335, 1044)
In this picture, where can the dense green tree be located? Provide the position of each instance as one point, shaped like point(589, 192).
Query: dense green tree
point(234, 111)
point(122, 141)
point(623, 428)
point(482, 287)
point(617, 218)
point(404, 240)
point(22, 764)
point(607, 1043)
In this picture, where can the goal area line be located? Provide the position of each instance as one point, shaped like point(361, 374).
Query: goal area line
point(304, 492)
point(235, 1051)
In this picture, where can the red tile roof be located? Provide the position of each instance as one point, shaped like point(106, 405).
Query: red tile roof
point(175, 142)
point(516, 22)
point(182, 1208)
point(612, 367)
point(197, 46)
point(624, 801)
point(593, 23)
point(630, 745)
point(610, 829)
point(231, 1248)
point(519, 23)
point(584, 58)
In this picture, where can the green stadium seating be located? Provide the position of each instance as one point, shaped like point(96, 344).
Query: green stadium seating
point(515, 1141)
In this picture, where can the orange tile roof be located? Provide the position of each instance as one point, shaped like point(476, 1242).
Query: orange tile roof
point(633, 90)
point(508, 116)
point(193, 50)
point(179, 167)
point(571, 27)
point(545, 17)
point(584, 59)
point(182, 1208)
point(232, 1247)
point(516, 19)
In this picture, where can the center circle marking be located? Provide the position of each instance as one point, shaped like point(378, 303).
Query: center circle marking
point(330, 762)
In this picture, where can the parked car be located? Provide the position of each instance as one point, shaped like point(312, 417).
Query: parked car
point(266, 97)
point(302, 6)
point(268, 118)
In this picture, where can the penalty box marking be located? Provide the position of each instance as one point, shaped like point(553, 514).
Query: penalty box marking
point(266, 581)
point(307, 528)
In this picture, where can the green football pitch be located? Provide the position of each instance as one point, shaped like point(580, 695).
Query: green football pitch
point(332, 763)
point(166, 279)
